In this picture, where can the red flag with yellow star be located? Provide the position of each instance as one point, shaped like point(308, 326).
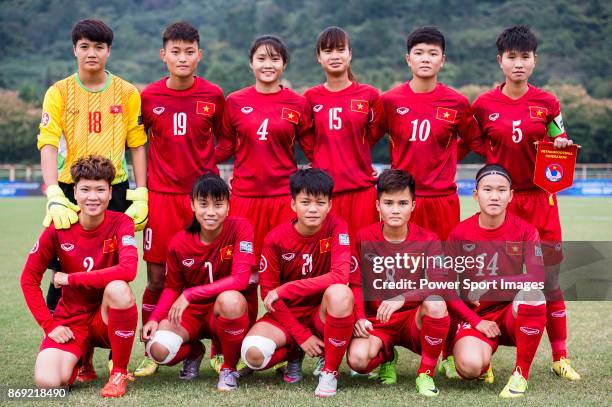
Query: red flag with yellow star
point(226, 252)
point(514, 248)
point(446, 114)
point(116, 109)
point(110, 245)
point(360, 106)
point(205, 108)
point(290, 115)
point(537, 112)
point(324, 245)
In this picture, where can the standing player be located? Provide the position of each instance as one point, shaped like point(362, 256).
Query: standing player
point(208, 264)
point(505, 243)
point(91, 112)
point(344, 113)
point(305, 268)
point(181, 113)
point(97, 308)
point(513, 117)
point(388, 318)
point(423, 118)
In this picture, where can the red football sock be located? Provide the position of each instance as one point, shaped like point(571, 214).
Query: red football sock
point(433, 334)
point(230, 333)
point(122, 325)
point(528, 330)
point(556, 326)
point(149, 302)
point(336, 335)
point(188, 350)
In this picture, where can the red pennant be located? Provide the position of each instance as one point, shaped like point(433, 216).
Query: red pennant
point(554, 168)
point(205, 108)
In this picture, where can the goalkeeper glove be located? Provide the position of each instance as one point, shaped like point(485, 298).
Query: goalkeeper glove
point(139, 209)
point(60, 210)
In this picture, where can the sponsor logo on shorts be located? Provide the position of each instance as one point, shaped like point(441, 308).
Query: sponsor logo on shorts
point(263, 264)
point(45, 119)
point(336, 342)
point(67, 246)
point(246, 109)
point(188, 262)
point(344, 239)
point(529, 331)
point(35, 248)
point(402, 110)
point(246, 247)
point(288, 256)
point(354, 264)
point(558, 247)
point(433, 341)
point(493, 116)
point(558, 314)
point(468, 247)
point(234, 332)
point(124, 334)
point(317, 108)
point(158, 110)
point(128, 240)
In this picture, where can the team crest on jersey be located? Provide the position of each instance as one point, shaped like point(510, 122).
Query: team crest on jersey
point(344, 239)
point(246, 247)
point(263, 264)
point(128, 240)
point(446, 114)
point(468, 247)
point(354, 264)
point(288, 256)
point(554, 172)
point(67, 247)
point(290, 115)
point(317, 108)
point(360, 106)
point(116, 109)
point(246, 109)
point(45, 119)
point(227, 252)
point(402, 110)
point(35, 248)
point(205, 108)
point(158, 110)
point(493, 116)
point(538, 113)
point(324, 245)
point(188, 262)
point(110, 245)
point(514, 248)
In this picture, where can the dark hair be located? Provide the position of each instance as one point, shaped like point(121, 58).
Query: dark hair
point(93, 167)
point(426, 35)
point(273, 45)
point(180, 31)
point(312, 181)
point(334, 38)
point(492, 169)
point(517, 38)
point(206, 186)
point(92, 30)
point(392, 180)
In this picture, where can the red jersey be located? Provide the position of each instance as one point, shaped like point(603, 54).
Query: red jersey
point(344, 133)
point(260, 129)
point(300, 268)
point(504, 250)
point(423, 130)
point(91, 258)
point(371, 243)
point(181, 126)
point(511, 127)
point(202, 271)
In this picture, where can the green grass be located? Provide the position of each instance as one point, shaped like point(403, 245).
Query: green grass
point(590, 341)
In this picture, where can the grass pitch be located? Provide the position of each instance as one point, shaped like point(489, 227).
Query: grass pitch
point(589, 326)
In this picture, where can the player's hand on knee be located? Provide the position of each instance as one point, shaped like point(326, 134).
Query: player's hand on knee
point(148, 330)
point(61, 334)
point(270, 299)
point(313, 346)
point(362, 328)
point(489, 328)
point(174, 316)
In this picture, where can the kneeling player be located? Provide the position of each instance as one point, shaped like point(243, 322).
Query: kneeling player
point(408, 321)
point(208, 265)
point(512, 317)
point(97, 307)
point(304, 275)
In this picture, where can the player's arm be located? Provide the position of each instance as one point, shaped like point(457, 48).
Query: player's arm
point(31, 277)
point(376, 120)
point(242, 263)
point(555, 128)
point(174, 284)
point(226, 137)
point(470, 135)
point(305, 131)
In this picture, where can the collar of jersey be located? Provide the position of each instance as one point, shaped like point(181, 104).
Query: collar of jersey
point(109, 79)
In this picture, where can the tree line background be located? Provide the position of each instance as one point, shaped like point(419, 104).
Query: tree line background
point(573, 55)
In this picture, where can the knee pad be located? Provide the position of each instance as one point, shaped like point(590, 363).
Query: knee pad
point(536, 298)
point(265, 345)
point(168, 340)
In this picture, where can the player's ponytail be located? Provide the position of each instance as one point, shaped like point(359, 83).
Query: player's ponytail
point(334, 38)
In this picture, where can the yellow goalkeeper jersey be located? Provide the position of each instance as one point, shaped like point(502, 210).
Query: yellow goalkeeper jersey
point(80, 122)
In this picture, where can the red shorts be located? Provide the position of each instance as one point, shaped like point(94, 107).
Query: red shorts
point(264, 213)
point(357, 208)
point(88, 331)
point(168, 214)
point(535, 208)
point(439, 214)
point(310, 319)
point(504, 319)
point(400, 330)
point(200, 322)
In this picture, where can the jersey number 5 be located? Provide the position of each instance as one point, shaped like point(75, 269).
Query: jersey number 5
point(517, 133)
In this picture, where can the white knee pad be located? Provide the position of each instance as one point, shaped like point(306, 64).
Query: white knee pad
point(265, 345)
point(168, 340)
point(534, 297)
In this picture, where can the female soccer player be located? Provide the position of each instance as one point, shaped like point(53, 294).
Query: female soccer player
point(97, 307)
point(208, 264)
point(344, 115)
point(513, 117)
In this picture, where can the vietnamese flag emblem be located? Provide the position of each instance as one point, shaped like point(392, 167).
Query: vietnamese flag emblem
point(290, 115)
point(226, 252)
point(360, 106)
point(110, 245)
point(537, 112)
point(116, 109)
point(514, 248)
point(205, 108)
point(446, 114)
point(324, 245)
